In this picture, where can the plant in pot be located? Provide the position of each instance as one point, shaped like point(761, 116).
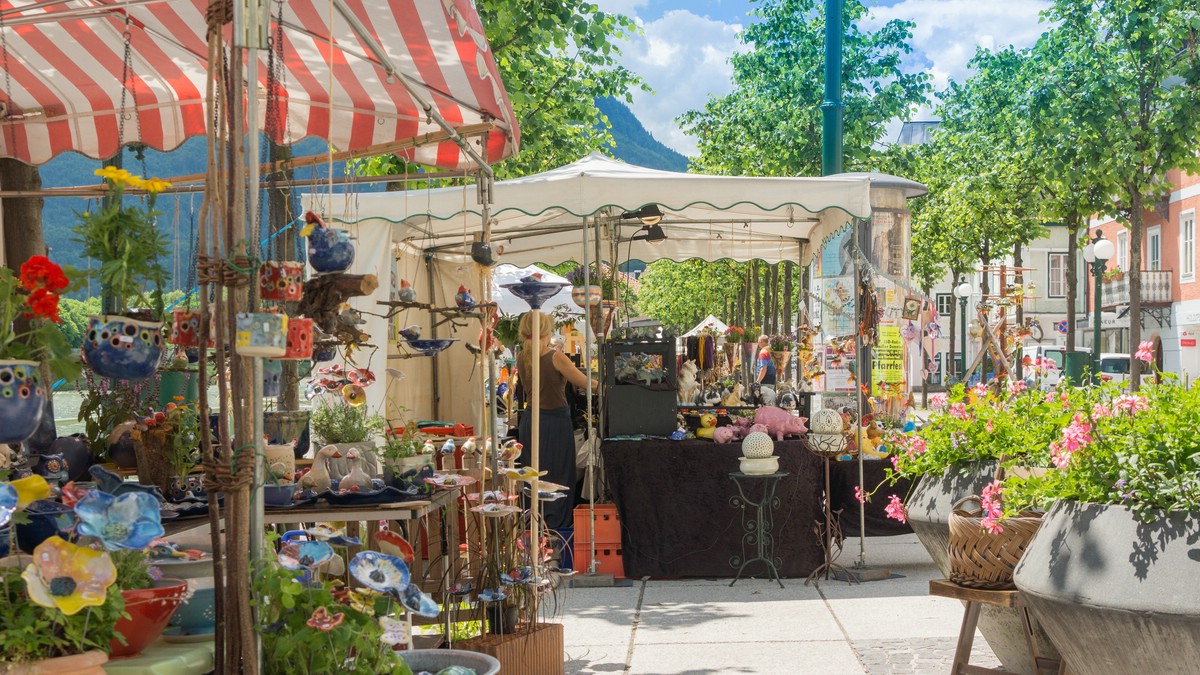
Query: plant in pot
point(109, 409)
point(1116, 554)
point(345, 426)
point(957, 454)
point(585, 295)
point(124, 344)
point(30, 335)
point(167, 443)
point(402, 450)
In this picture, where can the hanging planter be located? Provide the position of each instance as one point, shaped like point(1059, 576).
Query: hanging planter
point(121, 348)
point(586, 296)
point(330, 250)
point(261, 334)
point(185, 329)
point(780, 359)
point(282, 281)
point(21, 400)
point(299, 339)
point(600, 317)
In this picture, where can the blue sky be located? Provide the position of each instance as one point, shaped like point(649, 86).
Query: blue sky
point(685, 45)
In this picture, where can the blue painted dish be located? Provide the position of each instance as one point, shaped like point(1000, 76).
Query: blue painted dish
point(535, 292)
point(21, 400)
point(430, 346)
point(121, 348)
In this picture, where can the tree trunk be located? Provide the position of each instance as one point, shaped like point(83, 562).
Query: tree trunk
point(773, 285)
point(279, 200)
point(756, 290)
point(1135, 288)
point(1072, 275)
point(1019, 279)
point(948, 367)
point(924, 358)
point(787, 297)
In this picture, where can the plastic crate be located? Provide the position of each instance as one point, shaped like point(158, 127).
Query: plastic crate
point(608, 524)
point(607, 555)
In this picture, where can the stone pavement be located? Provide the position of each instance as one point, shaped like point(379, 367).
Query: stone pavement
point(702, 626)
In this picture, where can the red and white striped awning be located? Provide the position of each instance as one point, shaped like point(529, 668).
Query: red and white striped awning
point(65, 62)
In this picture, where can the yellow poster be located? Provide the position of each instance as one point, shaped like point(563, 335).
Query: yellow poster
point(887, 365)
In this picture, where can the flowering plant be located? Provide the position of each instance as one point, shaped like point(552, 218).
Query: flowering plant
point(29, 316)
point(125, 240)
point(781, 343)
point(176, 432)
point(735, 335)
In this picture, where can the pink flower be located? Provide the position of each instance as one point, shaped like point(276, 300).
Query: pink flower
point(979, 390)
point(895, 509)
point(1050, 397)
point(1075, 437)
point(939, 401)
point(990, 426)
point(1017, 387)
point(1143, 352)
point(858, 494)
point(1101, 410)
point(1131, 403)
point(895, 461)
point(959, 411)
point(991, 500)
point(991, 525)
point(917, 446)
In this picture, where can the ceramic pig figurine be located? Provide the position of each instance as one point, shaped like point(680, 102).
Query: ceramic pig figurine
point(780, 422)
point(725, 434)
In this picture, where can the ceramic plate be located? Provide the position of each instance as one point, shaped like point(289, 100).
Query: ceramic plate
point(496, 510)
point(491, 496)
point(299, 502)
point(551, 487)
point(387, 495)
point(450, 480)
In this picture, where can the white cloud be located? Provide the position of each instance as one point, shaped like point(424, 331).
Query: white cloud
point(685, 59)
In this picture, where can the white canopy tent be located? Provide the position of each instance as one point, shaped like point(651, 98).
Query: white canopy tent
point(709, 322)
point(510, 304)
point(539, 218)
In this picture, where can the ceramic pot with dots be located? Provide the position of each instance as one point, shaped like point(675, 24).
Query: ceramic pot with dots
point(299, 339)
point(261, 334)
point(21, 400)
point(121, 348)
point(281, 281)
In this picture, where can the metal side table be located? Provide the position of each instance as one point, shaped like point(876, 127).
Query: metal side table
point(757, 522)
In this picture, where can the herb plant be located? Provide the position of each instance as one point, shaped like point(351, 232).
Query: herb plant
point(339, 423)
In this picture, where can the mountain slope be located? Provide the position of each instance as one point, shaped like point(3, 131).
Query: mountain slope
point(635, 145)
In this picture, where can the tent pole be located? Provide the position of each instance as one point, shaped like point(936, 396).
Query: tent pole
point(254, 650)
point(433, 329)
point(587, 418)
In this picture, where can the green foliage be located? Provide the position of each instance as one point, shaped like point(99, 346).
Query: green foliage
point(75, 315)
point(403, 444)
point(37, 338)
point(106, 405)
point(124, 240)
point(770, 124)
point(339, 423)
point(32, 632)
point(133, 569)
point(291, 647)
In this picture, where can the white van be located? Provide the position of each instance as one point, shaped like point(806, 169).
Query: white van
point(1114, 368)
point(1054, 354)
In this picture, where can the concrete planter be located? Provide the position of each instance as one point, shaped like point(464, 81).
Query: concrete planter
point(1116, 595)
point(929, 508)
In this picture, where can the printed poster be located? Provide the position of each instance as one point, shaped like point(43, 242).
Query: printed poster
point(888, 361)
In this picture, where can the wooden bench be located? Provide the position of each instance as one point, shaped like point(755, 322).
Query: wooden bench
point(976, 598)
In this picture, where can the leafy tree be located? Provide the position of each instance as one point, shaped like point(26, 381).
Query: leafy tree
point(1138, 71)
point(770, 124)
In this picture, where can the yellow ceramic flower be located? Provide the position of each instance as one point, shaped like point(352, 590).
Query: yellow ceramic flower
point(30, 489)
point(112, 173)
point(68, 577)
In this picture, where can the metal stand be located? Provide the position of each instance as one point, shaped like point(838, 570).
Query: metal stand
point(757, 525)
point(832, 538)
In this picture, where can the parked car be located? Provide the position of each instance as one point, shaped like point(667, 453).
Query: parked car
point(1114, 367)
point(1055, 354)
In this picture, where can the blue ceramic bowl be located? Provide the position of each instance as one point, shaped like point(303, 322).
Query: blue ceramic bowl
point(535, 292)
point(429, 346)
point(47, 518)
point(121, 348)
point(5, 536)
point(21, 399)
point(197, 614)
point(278, 495)
point(330, 250)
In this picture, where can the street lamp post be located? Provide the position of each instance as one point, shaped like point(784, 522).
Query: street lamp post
point(962, 291)
point(1097, 253)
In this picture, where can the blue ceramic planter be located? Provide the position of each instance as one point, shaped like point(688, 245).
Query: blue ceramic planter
point(46, 519)
point(121, 348)
point(197, 614)
point(21, 400)
point(330, 250)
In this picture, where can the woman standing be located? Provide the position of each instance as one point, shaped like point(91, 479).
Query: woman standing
point(557, 448)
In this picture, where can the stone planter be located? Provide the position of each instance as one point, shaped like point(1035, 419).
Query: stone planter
point(929, 508)
point(435, 660)
point(1116, 595)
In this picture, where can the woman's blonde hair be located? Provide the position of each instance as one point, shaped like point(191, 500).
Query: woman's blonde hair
point(526, 328)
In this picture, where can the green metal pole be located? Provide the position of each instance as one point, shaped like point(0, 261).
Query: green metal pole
point(1097, 274)
point(962, 330)
point(831, 108)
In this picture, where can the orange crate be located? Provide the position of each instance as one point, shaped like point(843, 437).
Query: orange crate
point(608, 555)
point(608, 526)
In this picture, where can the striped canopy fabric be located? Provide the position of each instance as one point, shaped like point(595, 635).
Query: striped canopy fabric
point(67, 86)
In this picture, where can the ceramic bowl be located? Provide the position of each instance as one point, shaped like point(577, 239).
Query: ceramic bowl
point(278, 495)
point(430, 346)
point(198, 613)
point(47, 518)
point(756, 466)
point(122, 348)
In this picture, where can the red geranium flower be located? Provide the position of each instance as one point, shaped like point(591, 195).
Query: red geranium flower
point(44, 305)
point(39, 273)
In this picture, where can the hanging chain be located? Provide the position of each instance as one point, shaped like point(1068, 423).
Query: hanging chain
point(128, 89)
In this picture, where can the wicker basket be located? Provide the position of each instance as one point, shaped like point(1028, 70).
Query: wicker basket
point(979, 559)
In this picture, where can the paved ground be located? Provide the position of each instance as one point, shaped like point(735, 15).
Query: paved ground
point(698, 626)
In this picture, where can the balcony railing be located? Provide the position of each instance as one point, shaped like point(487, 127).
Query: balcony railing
point(1156, 289)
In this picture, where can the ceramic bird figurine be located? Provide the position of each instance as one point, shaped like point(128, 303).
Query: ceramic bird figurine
point(357, 480)
point(427, 449)
point(448, 447)
point(511, 450)
point(318, 479)
point(311, 221)
point(487, 447)
point(469, 446)
point(464, 298)
point(407, 293)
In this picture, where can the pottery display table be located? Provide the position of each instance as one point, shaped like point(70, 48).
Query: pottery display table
point(167, 658)
point(757, 522)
